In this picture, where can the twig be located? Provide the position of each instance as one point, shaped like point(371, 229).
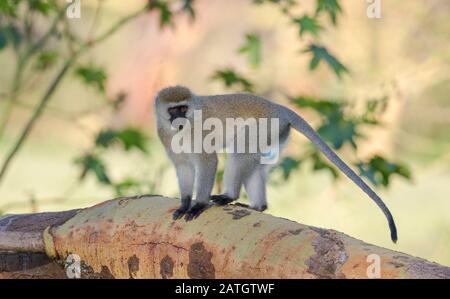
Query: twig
point(42, 104)
point(22, 61)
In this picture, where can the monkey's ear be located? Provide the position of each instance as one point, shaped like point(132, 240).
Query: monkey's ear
point(174, 94)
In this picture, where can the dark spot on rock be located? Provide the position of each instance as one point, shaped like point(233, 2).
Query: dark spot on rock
point(282, 235)
point(133, 266)
point(296, 231)
point(396, 264)
point(106, 273)
point(257, 224)
point(88, 272)
point(200, 265)
point(166, 267)
point(239, 204)
point(238, 214)
point(122, 202)
point(330, 256)
point(93, 237)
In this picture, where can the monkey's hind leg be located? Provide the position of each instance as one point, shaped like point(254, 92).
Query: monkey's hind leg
point(222, 199)
point(255, 185)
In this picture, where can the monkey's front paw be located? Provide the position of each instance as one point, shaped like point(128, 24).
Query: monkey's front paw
point(180, 212)
point(196, 210)
point(221, 199)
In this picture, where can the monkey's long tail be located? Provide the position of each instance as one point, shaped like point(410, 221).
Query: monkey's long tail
point(303, 127)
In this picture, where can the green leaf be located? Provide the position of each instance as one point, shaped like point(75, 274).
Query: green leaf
point(127, 186)
point(92, 164)
point(187, 6)
point(230, 78)
point(374, 109)
point(219, 175)
point(331, 7)
point(133, 138)
point(335, 129)
point(129, 138)
point(252, 48)
point(119, 100)
point(43, 7)
point(3, 40)
point(326, 108)
point(105, 138)
point(339, 131)
point(287, 3)
point(379, 171)
point(287, 166)
point(93, 76)
point(320, 164)
point(45, 60)
point(165, 14)
point(9, 7)
point(308, 24)
point(10, 34)
point(321, 54)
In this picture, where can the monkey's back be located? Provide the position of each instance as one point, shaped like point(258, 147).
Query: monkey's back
point(243, 105)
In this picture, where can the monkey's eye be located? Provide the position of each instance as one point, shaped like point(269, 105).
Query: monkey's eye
point(178, 110)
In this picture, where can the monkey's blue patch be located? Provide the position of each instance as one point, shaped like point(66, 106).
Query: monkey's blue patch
point(269, 157)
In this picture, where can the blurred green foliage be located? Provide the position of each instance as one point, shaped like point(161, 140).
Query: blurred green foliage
point(252, 48)
point(93, 76)
point(339, 125)
point(308, 24)
point(232, 79)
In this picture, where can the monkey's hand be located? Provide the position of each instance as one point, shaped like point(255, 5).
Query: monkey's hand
point(221, 199)
point(196, 210)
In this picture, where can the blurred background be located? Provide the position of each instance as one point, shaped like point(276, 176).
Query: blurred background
point(77, 85)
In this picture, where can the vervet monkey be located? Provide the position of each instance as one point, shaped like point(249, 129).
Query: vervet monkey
point(177, 105)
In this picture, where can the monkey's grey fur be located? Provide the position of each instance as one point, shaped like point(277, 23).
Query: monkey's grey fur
point(240, 169)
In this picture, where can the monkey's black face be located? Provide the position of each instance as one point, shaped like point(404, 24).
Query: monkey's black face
point(177, 112)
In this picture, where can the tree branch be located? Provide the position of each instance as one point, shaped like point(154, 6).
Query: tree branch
point(137, 237)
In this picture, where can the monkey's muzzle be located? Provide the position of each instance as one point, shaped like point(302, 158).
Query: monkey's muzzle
point(175, 113)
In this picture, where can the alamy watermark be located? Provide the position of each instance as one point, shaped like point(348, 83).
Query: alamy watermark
point(237, 135)
point(73, 266)
point(73, 10)
point(373, 9)
point(374, 268)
